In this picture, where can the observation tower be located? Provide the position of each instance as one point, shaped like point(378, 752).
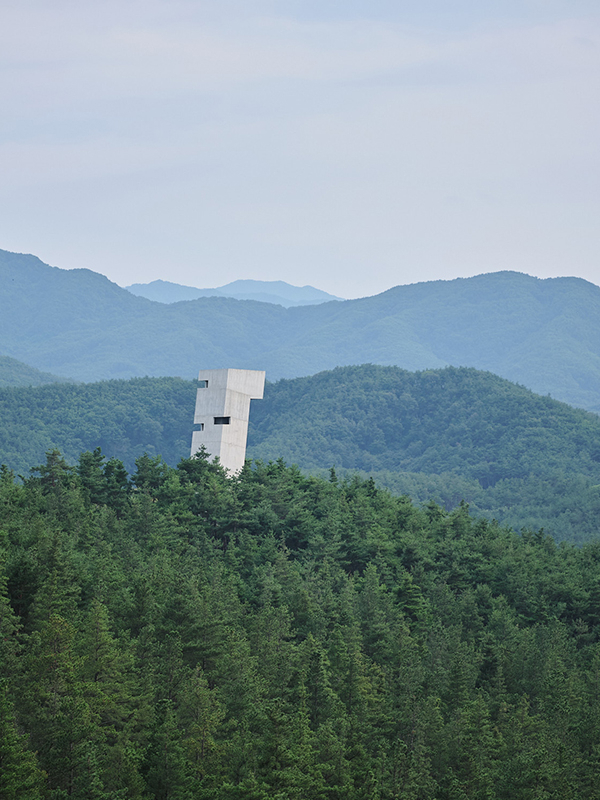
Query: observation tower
point(222, 411)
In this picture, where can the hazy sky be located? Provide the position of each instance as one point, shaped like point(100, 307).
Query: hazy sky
point(353, 145)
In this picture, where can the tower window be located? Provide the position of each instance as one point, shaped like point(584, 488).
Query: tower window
point(199, 426)
point(203, 384)
point(222, 420)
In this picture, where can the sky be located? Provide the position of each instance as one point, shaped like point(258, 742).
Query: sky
point(352, 145)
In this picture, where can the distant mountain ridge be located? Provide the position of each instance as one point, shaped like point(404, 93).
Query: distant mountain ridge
point(277, 292)
point(544, 334)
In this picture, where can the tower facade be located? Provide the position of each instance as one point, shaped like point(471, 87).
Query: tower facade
point(222, 411)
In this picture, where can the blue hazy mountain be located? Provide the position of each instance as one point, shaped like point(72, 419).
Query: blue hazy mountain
point(278, 292)
point(16, 373)
point(543, 334)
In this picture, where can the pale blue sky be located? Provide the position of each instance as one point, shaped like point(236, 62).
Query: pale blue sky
point(349, 145)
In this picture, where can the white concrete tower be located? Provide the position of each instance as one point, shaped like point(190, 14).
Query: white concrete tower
point(222, 411)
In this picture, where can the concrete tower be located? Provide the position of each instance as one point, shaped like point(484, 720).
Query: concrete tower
point(222, 411)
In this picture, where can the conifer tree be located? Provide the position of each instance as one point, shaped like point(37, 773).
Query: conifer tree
point(55, 709)
point(20, 776)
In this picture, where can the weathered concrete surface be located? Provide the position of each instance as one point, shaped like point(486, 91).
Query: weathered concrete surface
point(223, 409)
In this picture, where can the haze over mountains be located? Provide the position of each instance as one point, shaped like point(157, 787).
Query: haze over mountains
point(544, 334)
point(278, 292)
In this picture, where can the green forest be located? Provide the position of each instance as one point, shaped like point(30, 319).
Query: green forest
point(179, 634)
point(124, 418)
point(448, 435)
point(451, 434)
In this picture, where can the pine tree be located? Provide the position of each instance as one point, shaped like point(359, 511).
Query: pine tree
point(20, 776)
point(165, 763)
point(55, 710)
point(113, 699)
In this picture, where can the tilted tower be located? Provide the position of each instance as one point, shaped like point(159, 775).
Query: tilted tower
point(222, 411)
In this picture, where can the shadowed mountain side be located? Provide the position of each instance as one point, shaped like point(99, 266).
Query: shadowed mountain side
point(542, 333)
point(511, 324)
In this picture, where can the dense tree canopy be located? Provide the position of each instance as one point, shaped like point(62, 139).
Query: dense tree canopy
point(450, 434)
point(124, 418)
point(178, 633)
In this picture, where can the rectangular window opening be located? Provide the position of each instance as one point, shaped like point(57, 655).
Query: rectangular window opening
point(203, 384)
point(222, 420)
point(199, 426)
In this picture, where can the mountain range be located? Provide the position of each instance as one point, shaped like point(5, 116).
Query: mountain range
point(544, 334)
point(277, 292)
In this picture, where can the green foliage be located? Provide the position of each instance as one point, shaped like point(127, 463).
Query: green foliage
point(125, 419)
point(451, 434)
point(20, 776)
point(457, 421)
point(276, 635)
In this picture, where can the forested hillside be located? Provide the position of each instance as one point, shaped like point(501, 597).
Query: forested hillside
point(544, 334)
point(447, 420)
point(184, 635)
point(124, 418)
point(451, 435)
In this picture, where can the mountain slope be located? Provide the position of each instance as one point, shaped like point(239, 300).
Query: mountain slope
point(15, 373)
point(544, 334)
point(450, 434)
point(455, 420)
